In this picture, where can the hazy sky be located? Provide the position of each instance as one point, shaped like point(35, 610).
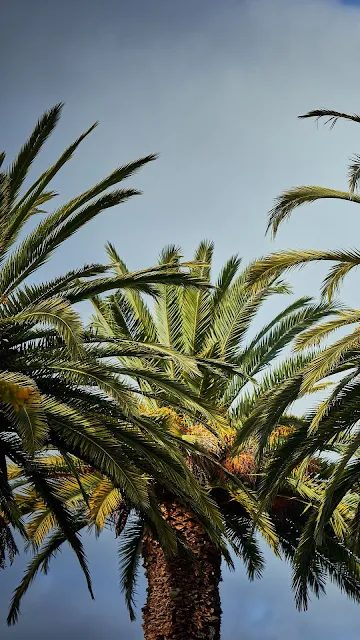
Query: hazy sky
point(215, 87)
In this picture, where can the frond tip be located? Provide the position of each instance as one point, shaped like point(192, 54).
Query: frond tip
point(331, 115)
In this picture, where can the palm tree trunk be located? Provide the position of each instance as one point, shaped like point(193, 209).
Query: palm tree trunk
point(183, 601)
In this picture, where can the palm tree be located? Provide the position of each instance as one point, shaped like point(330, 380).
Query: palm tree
point(183, 588)
point(212, 326)
point(56, 393)
point(334, 421)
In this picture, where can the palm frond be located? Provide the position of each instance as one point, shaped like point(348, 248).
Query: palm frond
point(197, 307)
point(277, 263)
point(129, 555)
point(41, 563)
point(104, 501)
point(313, 337)
point(36, 194)
point(331, 115)
point(58, 313)
point(297, 196)
point(27, 154)
point(137, 304)
point(327, 361)
point(354, 173)
point(239, 531)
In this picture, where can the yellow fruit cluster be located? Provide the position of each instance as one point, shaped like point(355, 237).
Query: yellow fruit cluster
point(281, 432)
point(17, 396)
point(243, 465)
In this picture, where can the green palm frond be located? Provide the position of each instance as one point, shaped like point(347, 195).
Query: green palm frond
point(22, 400)
point(226, 277)
point(276, 263)
point(240, 534)
point(88, 439)
point(312, 563)
point(197, 305)
point(325, 407)
point(331, 115)
point(262, 521)
point(104, 501)
point(297, 196)
point(41, 563)
point(313, 337)
point(144, 281)
point(36, 195)
point(137, 304)
point(124, 349)
point(27, 154)
point(130, 554)
point(59, 314)
point(327, 362)
point(354, 173)
point(338, 418)
point(335, 491)
point(289, 325)
point(40, 524)
point(30, 295)
point(264, 408)
point(39, 245)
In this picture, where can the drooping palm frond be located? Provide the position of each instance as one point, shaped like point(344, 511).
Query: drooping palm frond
point(240, 534)
point(41, 563)
point(129, 560)
point(277, 263)
point(315, 335)
point(297, 196)
point(331, 115)
point(332, 118)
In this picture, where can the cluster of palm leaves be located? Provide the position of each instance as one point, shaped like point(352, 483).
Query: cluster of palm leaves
point(58, 391)
point(332, 424)
point(167, 389)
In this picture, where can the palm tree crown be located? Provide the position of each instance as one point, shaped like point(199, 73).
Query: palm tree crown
point(211, 326)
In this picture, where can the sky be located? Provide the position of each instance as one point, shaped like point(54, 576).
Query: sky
point(215, 87)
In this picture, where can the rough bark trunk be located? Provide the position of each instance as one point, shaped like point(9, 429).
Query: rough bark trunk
point(183, 601)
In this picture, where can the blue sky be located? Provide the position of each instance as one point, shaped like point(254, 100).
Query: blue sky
point(216, 88)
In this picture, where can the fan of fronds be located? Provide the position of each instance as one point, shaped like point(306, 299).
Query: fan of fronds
point(334, 422)
point(56, 391)
point(210, 325)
